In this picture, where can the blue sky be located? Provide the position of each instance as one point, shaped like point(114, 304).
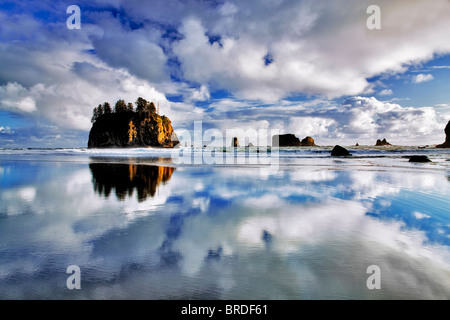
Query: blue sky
point(303, 67)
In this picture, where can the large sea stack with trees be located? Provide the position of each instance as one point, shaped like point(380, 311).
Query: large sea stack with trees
point(127, 127)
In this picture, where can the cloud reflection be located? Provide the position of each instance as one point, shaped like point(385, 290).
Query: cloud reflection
point(224, 233)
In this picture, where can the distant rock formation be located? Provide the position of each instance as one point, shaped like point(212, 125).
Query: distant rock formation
point(382, 143)
point(290, 140)
point(131, 129)
point(339, 151)
point(446, 144)
point(285, 140)
point(419, 159)
point(235, 142)
point(250, 145)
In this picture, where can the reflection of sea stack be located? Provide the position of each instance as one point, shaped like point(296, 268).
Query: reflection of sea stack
point(446, 144)
point(382, 143)
point(124, 178)
point(235, 142)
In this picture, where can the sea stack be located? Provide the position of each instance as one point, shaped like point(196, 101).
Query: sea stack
point(235, 142)
point(446, 144)
point(285, 140)
point(290, 140)
point(132, 129)
point(339, 151)
point(382, 143)
point(308, 142)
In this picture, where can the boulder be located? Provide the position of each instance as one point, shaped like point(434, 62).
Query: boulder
point(340, 151)
point(446, 144)
point(419, 159)
point(382, 143)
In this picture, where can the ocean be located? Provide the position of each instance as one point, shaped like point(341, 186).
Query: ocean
point(225, 224)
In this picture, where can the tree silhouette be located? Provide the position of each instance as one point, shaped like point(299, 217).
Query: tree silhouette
point(141, 105)
point(130, 107)
point(107, 108)
point(151, 108)
point(120, 106)
point(101, 111)
point(94, 115)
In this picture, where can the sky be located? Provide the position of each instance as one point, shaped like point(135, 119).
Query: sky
point(307, 67)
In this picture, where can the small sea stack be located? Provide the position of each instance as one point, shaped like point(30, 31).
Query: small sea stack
point(235, 142)
point(308, 142)
point(419, 159)
point(290, 140)
point(382, 143)
point(339, 151)
point(285, 140)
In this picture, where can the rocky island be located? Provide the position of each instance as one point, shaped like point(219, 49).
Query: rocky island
point(125, 127)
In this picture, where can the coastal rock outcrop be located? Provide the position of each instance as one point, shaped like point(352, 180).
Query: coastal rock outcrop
point(419, 159)
point(131, 129)
point(308, 142)
point(235, 142)
point(339, 151)
point(446, 144)
point(382, 143)
point(290, 140)
point(285, 140)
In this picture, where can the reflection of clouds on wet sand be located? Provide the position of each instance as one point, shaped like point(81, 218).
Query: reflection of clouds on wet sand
point(63, 217)
point(225, 233)
point(355, 240)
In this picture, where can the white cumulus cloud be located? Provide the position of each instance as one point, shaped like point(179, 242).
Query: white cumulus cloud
point(423, 78)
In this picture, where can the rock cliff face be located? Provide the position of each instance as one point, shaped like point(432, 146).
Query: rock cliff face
point(290, 140)
point(446, 144)
point(132, 130)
